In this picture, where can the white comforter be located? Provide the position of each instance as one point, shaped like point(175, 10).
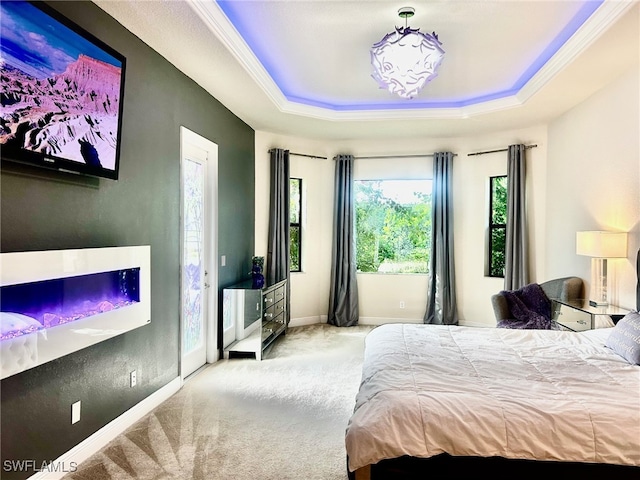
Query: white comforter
point(528, 394)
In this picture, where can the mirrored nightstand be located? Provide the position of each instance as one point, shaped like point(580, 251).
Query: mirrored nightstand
point(578, 315)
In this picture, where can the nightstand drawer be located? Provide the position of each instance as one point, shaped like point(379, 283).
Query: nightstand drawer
point(578, 315)
point(572, 318)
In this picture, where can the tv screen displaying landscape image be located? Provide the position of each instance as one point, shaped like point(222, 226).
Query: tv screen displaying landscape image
point(61, 93)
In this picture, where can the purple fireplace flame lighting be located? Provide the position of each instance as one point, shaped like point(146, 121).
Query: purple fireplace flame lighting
point(36, 306)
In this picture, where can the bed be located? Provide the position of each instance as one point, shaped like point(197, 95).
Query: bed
point(442, 401)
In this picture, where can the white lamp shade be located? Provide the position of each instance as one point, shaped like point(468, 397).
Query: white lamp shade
point(601, 244)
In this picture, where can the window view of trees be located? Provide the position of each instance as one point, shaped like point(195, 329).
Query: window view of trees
point(393, 225)
point(497, 225)
point(295, 222)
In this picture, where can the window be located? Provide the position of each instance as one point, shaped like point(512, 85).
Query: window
point(393, 225)
point(497, 225)
point(295, 222)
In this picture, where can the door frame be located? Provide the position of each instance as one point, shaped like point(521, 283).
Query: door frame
point(211, 322)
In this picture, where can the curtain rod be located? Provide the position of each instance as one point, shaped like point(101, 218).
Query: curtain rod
point(396, 156)
point(500, 150)
point(302, 155)
point(367, 158)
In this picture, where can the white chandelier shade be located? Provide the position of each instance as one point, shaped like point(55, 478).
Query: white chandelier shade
point(404, 61)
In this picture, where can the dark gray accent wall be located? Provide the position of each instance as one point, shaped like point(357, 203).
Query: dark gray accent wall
point(44, 210)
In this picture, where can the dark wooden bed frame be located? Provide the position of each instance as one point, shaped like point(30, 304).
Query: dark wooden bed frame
point(445, 466)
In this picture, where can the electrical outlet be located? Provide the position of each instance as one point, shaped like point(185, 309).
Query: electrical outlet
point(134, 378)
point(401, 304)
point(75, 412)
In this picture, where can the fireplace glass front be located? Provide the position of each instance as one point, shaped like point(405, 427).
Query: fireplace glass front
point(34, 306)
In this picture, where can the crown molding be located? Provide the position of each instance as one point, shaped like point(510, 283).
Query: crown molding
point(218, 23)
point(603, 18)
point(215, 19)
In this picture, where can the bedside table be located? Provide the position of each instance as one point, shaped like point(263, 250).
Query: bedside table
point(578, 315)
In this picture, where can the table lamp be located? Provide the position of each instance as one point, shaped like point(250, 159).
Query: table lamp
point(600, 246)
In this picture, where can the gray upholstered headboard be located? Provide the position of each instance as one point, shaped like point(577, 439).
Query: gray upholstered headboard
point(638, 282)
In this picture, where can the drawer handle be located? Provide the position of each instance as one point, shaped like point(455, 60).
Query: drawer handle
point(268, 315)
point(268, 299)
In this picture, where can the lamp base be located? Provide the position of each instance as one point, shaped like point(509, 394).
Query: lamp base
point(598, 296)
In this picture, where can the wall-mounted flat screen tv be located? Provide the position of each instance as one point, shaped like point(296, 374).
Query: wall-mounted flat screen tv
point(61, 95)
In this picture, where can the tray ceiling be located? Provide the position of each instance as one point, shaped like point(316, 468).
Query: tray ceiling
point(303, 67)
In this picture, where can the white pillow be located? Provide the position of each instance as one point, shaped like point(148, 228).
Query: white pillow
point(625, 338)
point(12, 322)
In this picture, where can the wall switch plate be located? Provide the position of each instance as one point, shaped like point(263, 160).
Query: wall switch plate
point(75, 412)
point(133, 377)
point(401, 304)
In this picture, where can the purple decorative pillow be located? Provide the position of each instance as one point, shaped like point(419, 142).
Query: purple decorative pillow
point(624, 339)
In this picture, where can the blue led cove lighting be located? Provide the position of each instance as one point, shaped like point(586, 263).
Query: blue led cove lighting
point(251, 35)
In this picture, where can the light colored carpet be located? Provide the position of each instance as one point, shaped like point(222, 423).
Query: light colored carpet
point(281, 418)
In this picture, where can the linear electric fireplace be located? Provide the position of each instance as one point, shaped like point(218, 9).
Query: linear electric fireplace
point(53, 303)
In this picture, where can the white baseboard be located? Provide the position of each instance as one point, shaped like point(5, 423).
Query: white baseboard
point(477, 324)
point(313, 320)
point(102, 437)
point(383, 320)
point(304, 321)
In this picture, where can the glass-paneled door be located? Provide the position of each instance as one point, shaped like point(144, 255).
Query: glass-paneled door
point(198, 233)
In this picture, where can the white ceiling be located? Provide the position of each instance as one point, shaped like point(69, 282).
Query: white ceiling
point(302, 67)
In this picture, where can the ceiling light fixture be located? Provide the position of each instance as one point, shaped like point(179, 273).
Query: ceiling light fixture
point(405, 60)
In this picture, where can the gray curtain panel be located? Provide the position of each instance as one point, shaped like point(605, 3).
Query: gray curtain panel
point(517, 243)
point(278, 242)
point(343, 295)
point(441, 299)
